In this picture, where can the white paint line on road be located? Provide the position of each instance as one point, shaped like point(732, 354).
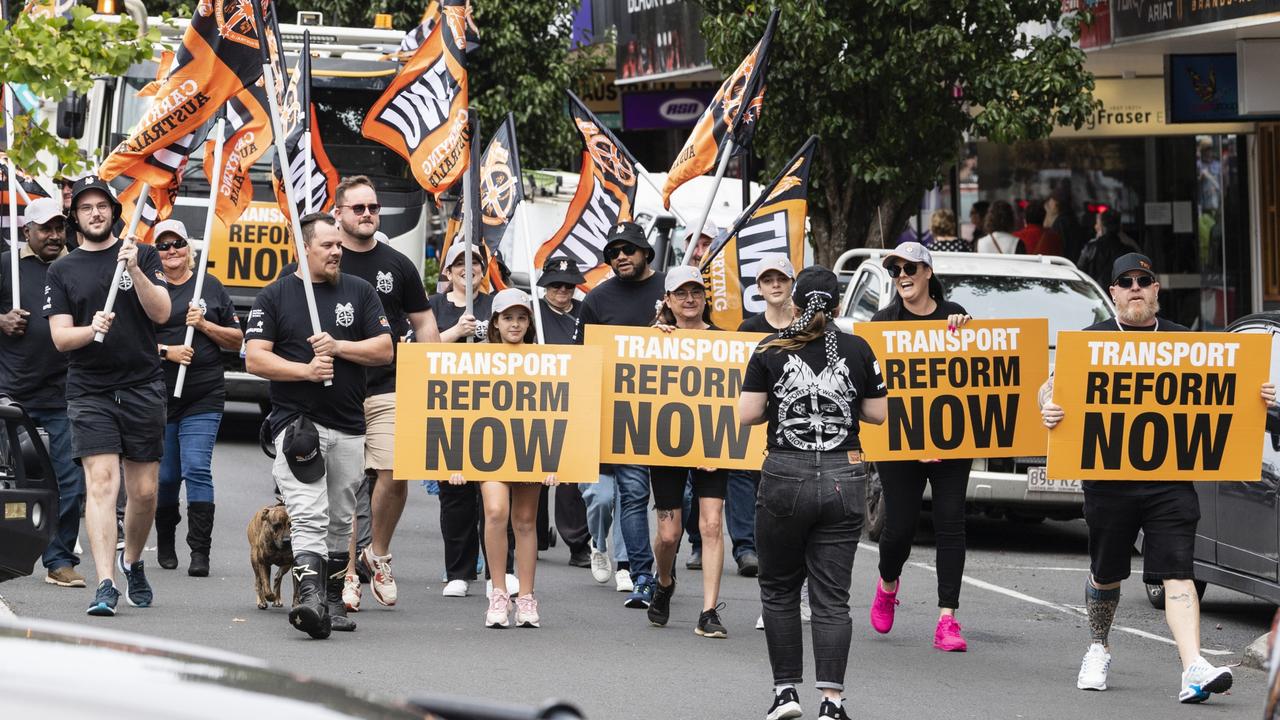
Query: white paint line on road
point(1065, 609)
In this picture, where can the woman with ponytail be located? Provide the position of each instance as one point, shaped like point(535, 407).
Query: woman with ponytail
point(812, 385)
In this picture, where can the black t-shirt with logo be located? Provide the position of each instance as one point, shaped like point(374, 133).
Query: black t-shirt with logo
point(623, 302)
point(758, 324)
point(802, 389)
point(349, 310)
point(561, 328)
point(203, 390)
point(32, 371)
point(447, 314)
point(77, 285)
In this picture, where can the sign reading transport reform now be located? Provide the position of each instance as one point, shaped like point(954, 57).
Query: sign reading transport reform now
point(671, 399)
point(494, 412)
point(968, 393)
point(1159, 406)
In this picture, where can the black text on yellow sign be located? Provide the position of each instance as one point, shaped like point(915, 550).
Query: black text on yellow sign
point(1159, 406)
point(252, 251)
point(967, 393)
point(494, 412)
point(671, 399)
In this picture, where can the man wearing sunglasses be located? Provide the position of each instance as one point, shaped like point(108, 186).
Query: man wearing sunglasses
point(1166, 512)
point(629, 298)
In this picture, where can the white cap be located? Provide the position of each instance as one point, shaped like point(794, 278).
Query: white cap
point(781, 263)
point(709, 229)
point(42, 210)
point(911, 252)
point(509, 298)
point(456, 250)
point(170, 226)
point(682, 275)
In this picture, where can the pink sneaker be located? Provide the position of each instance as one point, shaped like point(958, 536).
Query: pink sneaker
point(883, 606)
point(947, 637)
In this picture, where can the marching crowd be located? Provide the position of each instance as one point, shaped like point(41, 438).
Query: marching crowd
point(116, 417)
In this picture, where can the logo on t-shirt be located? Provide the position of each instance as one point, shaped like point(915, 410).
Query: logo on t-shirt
point(204, 307)
point(813, 409)
point(386, 283)
point(345, 314)
point(126, 281)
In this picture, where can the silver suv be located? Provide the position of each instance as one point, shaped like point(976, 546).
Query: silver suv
point(991, 287)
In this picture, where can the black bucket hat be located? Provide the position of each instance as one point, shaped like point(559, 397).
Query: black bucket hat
point(560, 270)
point(631, 234)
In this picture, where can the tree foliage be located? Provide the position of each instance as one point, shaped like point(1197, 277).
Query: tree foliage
point(891, 87)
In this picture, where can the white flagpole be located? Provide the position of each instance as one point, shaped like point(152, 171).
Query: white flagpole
point(306, 157)
point(644, 175)
point(144, 195)
point(14, 186)
point(204, 255)
point(711, 198)
point(534, 290)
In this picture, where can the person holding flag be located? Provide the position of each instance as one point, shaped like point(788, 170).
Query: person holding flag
point(115, 388)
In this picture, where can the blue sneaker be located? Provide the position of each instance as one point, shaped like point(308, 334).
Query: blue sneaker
point(138, 591)
point(104, 600)
point(642, 596)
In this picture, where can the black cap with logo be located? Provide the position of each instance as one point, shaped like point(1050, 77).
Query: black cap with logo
point(1129, 263)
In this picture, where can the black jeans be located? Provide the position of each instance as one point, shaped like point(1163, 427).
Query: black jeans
point(808, 520)
point(903, 487)
point(459, 526)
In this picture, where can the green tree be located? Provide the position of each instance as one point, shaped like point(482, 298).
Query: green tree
point(891, 87)
point(54, 57)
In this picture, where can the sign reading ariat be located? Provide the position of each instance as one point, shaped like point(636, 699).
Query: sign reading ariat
point(496, 413)
point(671, 399)
point(252, 251)
point(969, 393)
point(1159, 406)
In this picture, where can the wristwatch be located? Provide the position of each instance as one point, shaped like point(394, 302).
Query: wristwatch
point(164, 351)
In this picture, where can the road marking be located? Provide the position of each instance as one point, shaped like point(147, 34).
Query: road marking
point(1064, 609)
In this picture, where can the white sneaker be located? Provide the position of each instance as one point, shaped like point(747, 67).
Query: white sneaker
point(601, 568)
point(455, 588)
point(499, 613)
point(1093, 669)
point(623, 579)
point(760, 622)
point(527, 612)
point(1201, 679)
point(513, 586)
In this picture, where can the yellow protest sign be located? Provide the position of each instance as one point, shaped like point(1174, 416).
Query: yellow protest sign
point(970, 393)
point(496, 412)
point(671, 399)
point(1159, 406)
point(253, 250)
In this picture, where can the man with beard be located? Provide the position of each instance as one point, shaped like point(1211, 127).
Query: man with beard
point(317, 430)
point(115, 389)
point(1166, 512)
point(629, 298)
point(34, 373)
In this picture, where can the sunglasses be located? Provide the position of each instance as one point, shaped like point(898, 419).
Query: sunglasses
point(175, 244)
point(910, 269)
point(1126, 281)
point(614, 251)
point(371, 208)
point(560, 286)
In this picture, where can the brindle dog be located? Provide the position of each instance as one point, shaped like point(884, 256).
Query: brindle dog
point(269, 544)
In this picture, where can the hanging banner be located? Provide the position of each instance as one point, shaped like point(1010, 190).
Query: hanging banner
point(1159, 406)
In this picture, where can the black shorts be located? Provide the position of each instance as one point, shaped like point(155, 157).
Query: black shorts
point(668, 485)
point(128, 422)
point(1167, 517)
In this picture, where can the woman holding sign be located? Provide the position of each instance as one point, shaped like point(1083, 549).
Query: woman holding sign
point(684, 307)
point(812, 384)
point(920, 297)
point(511, 324)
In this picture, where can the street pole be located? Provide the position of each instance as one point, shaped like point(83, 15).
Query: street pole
point(726, 152)
point(204, 255)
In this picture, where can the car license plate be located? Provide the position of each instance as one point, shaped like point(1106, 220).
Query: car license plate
point(1038, 481)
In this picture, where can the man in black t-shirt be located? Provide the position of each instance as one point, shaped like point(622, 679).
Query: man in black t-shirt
point(115, 389)
point(318, 430)
point(34, 373)
point(1167, 513)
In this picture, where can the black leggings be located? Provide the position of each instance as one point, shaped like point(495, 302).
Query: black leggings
point(903, 486)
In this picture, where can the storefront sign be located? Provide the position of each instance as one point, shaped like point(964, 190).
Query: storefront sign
point(1132, 18)
point(599, 93)
point(1203, 88)
point(1097, 32)
point(662, 110)
point(495, 413)
point(659, 37)
point(671, 399)
point(1136, 108)
point(1159, 406)
point(970, 393)
point(253, 250)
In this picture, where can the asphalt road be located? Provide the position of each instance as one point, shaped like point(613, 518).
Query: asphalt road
point(1020, 612)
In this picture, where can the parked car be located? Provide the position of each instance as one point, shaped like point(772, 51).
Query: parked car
point(28, 492)
point(1238, 539)
point(990, 286)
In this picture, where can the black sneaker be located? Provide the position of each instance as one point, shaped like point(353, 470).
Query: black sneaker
point(749, 564)
point(660, 608)
point(786, 705)
point(832, 711)
point(709, 625)
point(104, 600)
point(138, 590)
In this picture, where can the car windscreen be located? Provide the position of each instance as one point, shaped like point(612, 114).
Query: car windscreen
point(1068, 304)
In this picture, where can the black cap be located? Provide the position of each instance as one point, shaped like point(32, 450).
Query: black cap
point(818, 282)
point(1129, 263)
point(301, 449)
point(560, 270)
point(631, 234)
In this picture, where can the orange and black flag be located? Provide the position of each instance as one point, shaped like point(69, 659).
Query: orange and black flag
point(30, 189)
point(219, 56)
point(422, 115)
point(773, 225)
point(605, 197)
point(246, 138)
point(501, 188)
point(732, 114)
point(299, 115)
point(415, 37)
point(492, 280)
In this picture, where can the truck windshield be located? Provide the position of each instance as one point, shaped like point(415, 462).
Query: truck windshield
point(1068, 304)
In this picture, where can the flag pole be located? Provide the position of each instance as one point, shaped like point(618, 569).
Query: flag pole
point(144, 194)
point(204, 254)
point(13, 194)
point(644, 175)
point(304, 109)
point(469, 191)
point(727, 151)
point(534, 290)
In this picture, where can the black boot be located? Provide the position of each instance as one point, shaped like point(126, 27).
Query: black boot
point(333, 593)
point(199, 537)
point(310, 614)
point(167, 519)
